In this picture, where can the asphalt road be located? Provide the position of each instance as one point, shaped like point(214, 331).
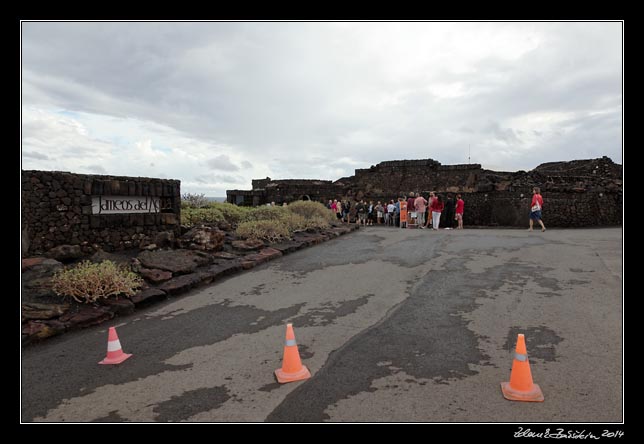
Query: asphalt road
point(394, 325)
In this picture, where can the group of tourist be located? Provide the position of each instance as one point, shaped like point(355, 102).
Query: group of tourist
point(405, 211)
point(417, 211)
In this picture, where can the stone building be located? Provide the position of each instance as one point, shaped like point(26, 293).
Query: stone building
point(279, 191)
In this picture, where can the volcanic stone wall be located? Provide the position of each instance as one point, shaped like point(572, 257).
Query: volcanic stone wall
point(579, 193)
point(57, 209)
point(398, 178)
point(512, 208)
point(279, 191)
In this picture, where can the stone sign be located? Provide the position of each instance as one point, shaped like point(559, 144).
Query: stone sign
point(127, 204)
point(90, 210)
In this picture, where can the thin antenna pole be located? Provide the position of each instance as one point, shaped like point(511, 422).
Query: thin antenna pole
point(469, 153)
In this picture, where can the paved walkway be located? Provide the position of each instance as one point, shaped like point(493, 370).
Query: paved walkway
point(395, 325)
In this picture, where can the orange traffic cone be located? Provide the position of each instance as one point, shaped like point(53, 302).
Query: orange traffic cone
point(521, 387)
point(292, 368)
point(115, 354)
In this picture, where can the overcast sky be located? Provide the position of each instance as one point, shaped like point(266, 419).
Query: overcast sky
point(216, 104)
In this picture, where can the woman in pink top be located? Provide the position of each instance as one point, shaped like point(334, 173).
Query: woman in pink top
point(420, 203)
point(535, 209)
point(460, 206)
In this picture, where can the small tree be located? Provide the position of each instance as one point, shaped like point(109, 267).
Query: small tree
point(87, 281)
point(194, 200)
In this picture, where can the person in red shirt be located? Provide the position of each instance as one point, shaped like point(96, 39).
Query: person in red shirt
point(460, 206)
point(535, 209)
point(437, 208)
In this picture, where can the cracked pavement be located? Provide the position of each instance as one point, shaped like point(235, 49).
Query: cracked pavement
point(394, 325)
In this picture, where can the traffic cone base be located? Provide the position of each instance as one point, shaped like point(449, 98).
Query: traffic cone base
point(117, 360)
point(283, 377)
point(534, 394)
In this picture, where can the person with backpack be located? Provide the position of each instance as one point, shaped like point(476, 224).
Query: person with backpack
point(346, 209)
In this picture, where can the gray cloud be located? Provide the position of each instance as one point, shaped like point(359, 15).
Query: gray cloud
point(506, 135)
point(222, 162)
point(219, 178)
point(32, 155)
point(325, 98)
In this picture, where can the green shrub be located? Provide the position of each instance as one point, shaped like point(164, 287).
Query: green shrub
point(232, 214)
point(316, 223)
point(266, 230)
point(87, 281)
point(294, 222)
point(310, 210)
point(297, 216)
point(201, 216)
point(266, 213)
